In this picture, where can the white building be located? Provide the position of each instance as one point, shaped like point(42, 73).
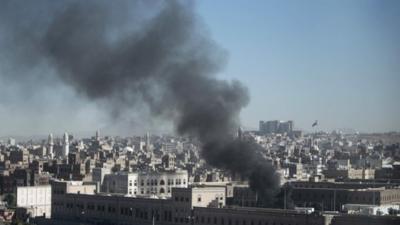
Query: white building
point(36, 199)
point(157, 183)
point(160, 182)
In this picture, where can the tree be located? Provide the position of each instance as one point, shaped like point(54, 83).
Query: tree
point(10, 199)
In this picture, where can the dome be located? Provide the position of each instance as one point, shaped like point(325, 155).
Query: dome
point(128, 149)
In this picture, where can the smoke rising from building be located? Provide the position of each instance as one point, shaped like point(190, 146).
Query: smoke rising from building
point(165, 61)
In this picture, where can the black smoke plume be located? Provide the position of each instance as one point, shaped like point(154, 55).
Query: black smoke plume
point(156, 53)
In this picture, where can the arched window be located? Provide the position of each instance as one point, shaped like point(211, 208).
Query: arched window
point(162, 182)
point(162, 191)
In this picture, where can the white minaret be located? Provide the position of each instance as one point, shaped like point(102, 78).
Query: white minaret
point(240, 133)
point(148, 141)
point(65, 145)
point(97, 135)
point(50, 149)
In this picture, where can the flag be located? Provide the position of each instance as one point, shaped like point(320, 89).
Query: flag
point(315, 123)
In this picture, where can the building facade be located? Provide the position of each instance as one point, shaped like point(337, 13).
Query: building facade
point(159, 183)
point(36, 199)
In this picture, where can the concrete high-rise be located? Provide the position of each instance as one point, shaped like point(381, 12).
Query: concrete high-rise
point(276, 126)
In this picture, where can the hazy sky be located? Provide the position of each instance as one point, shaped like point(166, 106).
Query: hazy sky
point(334, 61)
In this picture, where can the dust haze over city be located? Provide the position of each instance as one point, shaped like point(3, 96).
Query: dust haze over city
point(122, 108)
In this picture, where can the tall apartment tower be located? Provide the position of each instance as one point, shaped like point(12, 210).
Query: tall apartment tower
point(50, 149)
point(65, 145)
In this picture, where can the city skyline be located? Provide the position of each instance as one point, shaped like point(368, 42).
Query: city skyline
point(332, 62)
point(168, 112)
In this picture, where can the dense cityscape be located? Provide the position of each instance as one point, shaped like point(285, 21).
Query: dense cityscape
point(172, 112)
point(324, 178)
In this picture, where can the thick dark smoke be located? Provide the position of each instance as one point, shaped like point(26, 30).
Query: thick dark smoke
point(165, 60)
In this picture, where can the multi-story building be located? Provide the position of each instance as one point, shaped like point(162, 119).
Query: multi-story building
point(244, 196)
point(6, 184)
point(332, 196)
point(98, 174)
point(122, 182)
point(35, 199)
point(75, 187)
point(19, 156)
point(168, 161)
point(254, 216)
point(350, 173)
point(145, 183)
point(116, 209)
point(23, 177)
point(276, 126)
